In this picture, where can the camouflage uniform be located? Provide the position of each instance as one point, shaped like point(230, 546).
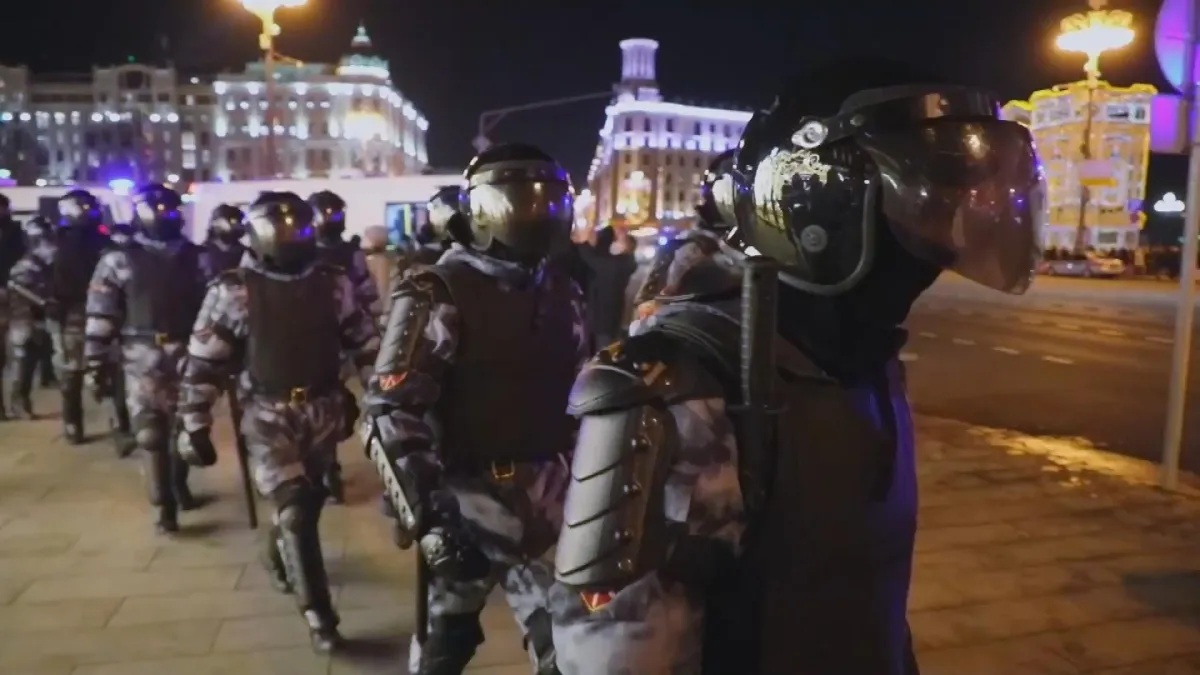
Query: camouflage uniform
point(28, 338)
point(286, 439)
point(510, 513)
point(654, 625)
point(151, 363)
point(667, 271)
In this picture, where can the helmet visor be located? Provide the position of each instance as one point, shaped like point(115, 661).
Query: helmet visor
point(967, 195)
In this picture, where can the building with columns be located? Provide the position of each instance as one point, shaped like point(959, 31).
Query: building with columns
point(652, 152)
point(140, 123)
point(331, 121)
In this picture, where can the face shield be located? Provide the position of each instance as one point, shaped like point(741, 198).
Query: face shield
point(959, 187)
point(527, 206)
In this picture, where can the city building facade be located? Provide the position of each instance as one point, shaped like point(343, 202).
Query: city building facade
point(1112, 172)
point(137, 122)
point(652, 153)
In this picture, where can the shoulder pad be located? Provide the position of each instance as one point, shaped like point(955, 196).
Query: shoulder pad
point(423, 280)
point(638, 370)
point(233, 277)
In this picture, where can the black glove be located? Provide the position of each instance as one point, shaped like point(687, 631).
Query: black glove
point(352, 412)
point(452, 557)
point(196, 447)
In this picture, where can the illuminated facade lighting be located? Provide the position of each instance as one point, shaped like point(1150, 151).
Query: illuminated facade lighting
point(652, 153)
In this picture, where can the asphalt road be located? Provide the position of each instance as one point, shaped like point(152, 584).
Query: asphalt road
point(1076, 358)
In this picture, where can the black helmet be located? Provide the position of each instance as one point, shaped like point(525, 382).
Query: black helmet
point(446, 218)
point(820, 185)
point(329, 215)
point(280, 227)
point(156, 212)
point(37, 229)
point(227, 223)
point(715, 210)
point(80, 208)
point(519, 203)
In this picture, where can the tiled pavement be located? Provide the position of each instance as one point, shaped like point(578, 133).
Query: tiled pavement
point(1036, 557)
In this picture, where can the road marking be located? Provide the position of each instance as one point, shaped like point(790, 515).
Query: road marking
point(1160, 340)
point(1111, 333)
point(908, 356)
point(961, 341)
point(1034, 322)
point(1006, 350)
point(1069, 326)
point(927, 334)
point(1058, 359)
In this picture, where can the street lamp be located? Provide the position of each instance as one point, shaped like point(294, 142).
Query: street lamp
point(1092, 33)
point(265, 11)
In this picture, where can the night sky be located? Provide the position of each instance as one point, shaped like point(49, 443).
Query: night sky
point(456, 58)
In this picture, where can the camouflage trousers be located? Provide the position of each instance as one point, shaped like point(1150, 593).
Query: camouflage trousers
point(288, 440)
point(67, 338)
point(514, 520)
point(651, 626)
point(152, 377)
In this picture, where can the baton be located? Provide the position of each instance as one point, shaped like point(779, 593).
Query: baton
point(243, 455)
point(422, 597)
point(760, 294)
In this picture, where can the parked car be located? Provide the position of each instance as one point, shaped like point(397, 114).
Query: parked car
point(1087, 265)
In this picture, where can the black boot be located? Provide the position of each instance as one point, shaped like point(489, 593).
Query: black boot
point(46, 361)
point(179, 483)
point(120, 426)
point(157, 474)
point(300, 550)
point(22, 391)
point(72, 408)
point(334, 485)
point(272, 562)
point(451, 644)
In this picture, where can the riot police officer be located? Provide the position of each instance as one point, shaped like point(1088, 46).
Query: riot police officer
point(329, 213)
point(121, 425)
point(55, 276)
point(714, 220)
point(223, 248)
point(282, 321)
point(794, 549)
point(484, 344)
point(29, 292)
point(146, 294)
point(12, 249)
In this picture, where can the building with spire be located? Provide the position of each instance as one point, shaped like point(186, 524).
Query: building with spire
point(338, 120)
point(652, 152)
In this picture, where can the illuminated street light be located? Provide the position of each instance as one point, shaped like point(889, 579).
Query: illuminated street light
point(365, 127)
point(265, 11)
point(1092, 33)
point(1170, 204)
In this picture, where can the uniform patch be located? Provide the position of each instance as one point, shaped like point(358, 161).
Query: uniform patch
point(597, 600)
point(390, 381)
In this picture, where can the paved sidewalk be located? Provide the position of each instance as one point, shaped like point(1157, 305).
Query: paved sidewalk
point(1035, 557)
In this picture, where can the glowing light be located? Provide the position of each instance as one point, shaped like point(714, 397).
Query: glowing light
point(678, 110)
point(1094, 33)
point(269, 6)
point(1169, 204)
point(5, 173)
point(120, 186)
point(220, 88)
point(6, 117)
point(41, 182)
point(364, 126)
point(25, 117)
point(173, 178)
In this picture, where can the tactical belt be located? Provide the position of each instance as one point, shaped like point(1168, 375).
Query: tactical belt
point(294, 395)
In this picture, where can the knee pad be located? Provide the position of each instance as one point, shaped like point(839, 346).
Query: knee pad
point(294, 501)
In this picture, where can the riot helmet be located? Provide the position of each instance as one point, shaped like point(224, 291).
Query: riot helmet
point(156, 212)
point(281, 232)
point(715, 210)
point(79, 209)
point(932, 167)
point(227, 224)
point(38, 229)
point(329, 215)
point(519, 204)
point(446, 218)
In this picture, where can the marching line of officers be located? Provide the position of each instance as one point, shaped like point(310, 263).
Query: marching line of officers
point(731, 489)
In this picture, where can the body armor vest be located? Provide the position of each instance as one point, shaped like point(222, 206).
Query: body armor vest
point(505, 397)
point(294, 344)
point(164, 292)
point(79, 250)
point(829, 557)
